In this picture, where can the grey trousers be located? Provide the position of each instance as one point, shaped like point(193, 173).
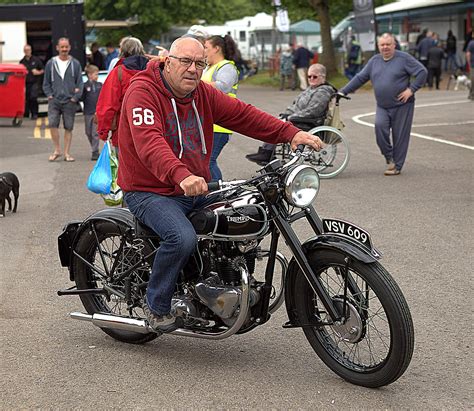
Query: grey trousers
point(91, 132)
point(399, 120)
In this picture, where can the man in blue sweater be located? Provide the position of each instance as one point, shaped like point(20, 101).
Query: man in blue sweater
point(390, 73)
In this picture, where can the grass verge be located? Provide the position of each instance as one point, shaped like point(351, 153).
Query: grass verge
point(263, 78)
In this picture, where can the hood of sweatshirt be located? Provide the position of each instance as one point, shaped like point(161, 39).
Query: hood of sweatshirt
point(153, 76)
point(135, 62)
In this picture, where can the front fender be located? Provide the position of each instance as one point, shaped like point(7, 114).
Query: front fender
point(322, 242)
point(67, 240)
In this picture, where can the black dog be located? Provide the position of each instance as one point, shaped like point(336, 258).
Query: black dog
point(8, 182)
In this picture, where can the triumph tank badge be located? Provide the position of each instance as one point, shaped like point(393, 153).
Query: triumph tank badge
point(237, 219)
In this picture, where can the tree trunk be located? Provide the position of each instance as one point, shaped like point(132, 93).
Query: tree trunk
point(328, 58)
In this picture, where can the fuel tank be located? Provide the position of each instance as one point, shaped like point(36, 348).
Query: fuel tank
point(243, 218)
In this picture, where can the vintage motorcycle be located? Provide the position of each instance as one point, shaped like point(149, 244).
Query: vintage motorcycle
point(351, 310)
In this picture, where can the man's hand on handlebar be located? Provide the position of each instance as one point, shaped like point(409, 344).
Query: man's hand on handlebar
point(307, 139)
point(193, 186)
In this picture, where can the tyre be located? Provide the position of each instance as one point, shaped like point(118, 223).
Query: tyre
point(374, 346)
point(333, 158)
point(107, 248)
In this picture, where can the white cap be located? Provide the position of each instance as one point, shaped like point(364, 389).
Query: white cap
point(198, 31)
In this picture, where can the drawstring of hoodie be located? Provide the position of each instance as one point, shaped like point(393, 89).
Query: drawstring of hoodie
point(201, 133)
point(180, 135)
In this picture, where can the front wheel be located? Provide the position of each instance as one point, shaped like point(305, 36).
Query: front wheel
point(374, 345)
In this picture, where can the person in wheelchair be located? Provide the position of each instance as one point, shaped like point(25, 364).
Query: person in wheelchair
point(307, 111)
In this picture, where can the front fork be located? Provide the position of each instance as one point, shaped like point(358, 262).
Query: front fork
point(283, 223)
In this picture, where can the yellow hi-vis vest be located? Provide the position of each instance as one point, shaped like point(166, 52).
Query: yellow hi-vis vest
point(207, 77)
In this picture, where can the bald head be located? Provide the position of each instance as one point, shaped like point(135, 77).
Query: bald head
point(386, 44)
point(184, 42)
point(184, 66)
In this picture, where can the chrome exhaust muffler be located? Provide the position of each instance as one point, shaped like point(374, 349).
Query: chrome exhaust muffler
point(114, 321)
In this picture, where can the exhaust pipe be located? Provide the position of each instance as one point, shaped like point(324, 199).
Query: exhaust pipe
point(140, 326)
point(114, 321)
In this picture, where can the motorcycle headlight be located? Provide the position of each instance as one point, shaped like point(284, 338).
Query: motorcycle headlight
point(301, 185)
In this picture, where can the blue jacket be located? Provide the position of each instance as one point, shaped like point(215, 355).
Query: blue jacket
point(302, 57)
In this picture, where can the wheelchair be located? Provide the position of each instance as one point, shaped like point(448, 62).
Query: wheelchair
point(333, 158)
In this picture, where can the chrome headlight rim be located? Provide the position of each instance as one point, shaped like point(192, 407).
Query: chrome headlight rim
point(291, 189)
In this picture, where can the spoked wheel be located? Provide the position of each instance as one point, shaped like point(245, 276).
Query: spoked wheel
point(110, 252)
point(374, 345)
point(333, 158)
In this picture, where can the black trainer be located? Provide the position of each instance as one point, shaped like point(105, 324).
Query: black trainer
point(263, 156)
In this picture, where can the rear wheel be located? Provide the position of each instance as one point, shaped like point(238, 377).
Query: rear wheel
point(374, 345)
point(106, 246)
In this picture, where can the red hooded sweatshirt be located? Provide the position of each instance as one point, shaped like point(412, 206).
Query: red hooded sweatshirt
point(164, 139)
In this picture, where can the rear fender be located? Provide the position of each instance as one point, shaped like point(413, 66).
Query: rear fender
point(73, 230)
point(322, 242)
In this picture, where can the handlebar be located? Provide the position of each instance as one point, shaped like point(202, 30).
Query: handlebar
point(214, 185)
point(339, 95)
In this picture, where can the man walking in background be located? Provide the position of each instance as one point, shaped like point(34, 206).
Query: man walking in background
point(35, 69)
point(390, 73)
point(301, 59)
point(423, 47)
point(63, 86)
point(354, 58)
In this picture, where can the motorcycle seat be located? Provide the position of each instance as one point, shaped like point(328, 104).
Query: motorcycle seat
point(143, 231)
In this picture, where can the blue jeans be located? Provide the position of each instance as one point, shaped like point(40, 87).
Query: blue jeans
point(166, 216)
point(220, 140)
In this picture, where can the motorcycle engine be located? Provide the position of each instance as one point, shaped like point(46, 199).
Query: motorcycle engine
point(220, 290)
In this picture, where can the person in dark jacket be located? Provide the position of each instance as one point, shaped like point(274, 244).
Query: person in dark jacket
point(97, 58)
point(301, 59)
point(62, 84)
point(435, 58)
point(423, 48)
point(390, 73)
point(131, 61)
point(90, 96)
point(451, 52)
point(35, 68)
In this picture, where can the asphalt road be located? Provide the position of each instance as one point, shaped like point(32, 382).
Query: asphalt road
point(421, 220)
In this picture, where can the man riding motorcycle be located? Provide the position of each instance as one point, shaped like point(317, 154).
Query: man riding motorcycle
point(165, 139)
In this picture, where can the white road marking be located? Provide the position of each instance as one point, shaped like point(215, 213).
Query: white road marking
point(460, 123)
point(358, 120)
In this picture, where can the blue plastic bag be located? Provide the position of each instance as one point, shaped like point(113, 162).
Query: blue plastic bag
point(100, 179)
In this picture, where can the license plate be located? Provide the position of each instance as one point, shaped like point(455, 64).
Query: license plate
point(348, 230)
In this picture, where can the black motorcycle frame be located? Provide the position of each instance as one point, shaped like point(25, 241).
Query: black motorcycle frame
point(280, 224)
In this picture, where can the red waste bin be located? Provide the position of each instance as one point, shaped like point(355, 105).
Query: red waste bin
point(12, 92)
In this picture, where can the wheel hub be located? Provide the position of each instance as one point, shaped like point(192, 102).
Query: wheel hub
point(352, 329)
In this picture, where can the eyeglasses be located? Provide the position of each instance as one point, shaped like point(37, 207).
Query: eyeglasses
point(187, 62)
point(315, 77)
